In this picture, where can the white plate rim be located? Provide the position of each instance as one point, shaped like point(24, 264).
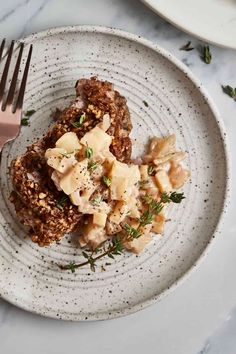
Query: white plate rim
point(186, 29)
point(168, 56)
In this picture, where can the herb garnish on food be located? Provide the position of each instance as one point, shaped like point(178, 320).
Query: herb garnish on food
point(88, 152)
point(142, 183)
point(145, 103)
point(187, 47)
point(154, 208)
point(106, 181)
point(151, 170)
point(96, 201)
point(230, 91)
point(132, 232)
point(172, 197)
point(115, 246)
point(62, 201)
point(79, 123)
point(65, 154)
point(92, 165)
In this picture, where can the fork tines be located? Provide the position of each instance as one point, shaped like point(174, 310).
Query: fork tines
point(8, 102)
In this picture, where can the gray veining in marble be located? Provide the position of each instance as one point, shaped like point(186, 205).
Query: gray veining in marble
point(222, 341)
point(199, 316)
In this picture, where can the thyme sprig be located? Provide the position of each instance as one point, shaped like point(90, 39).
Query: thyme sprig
point(111, 249)
point(154, 208)
point(172, 197)
point(115, 246)
point(131, 231)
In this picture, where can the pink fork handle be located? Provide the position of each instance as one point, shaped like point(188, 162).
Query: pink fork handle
point(3, 140)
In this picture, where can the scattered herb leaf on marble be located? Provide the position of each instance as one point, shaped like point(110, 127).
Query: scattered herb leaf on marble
point(230, 91)
point(187, 47)
point(206, 54)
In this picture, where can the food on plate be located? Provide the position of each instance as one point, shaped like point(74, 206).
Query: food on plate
point(38, 202)
point(80, 177)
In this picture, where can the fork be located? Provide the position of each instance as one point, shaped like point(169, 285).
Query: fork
point(10, 112)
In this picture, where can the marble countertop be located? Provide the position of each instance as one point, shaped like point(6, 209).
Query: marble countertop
point(200, 315)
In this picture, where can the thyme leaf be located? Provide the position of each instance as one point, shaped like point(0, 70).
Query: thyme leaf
point(146, 218)
point(71, 267)
point(79, 123)
point(106, 180)
point(92, 165)
point(65, 154)
point(88, 152)
point(187, 47)
point(62, 201)
point(25, 122)
point(230, 91)
point(131, 231)
point(206, 54)
point(29, 113)
point(142, 183)
point(151, 170)
point(112, 249)
point(172, 197)
point(96, 201)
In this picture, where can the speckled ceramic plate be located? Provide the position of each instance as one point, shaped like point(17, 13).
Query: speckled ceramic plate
point(177, 104)
point(213, 21)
